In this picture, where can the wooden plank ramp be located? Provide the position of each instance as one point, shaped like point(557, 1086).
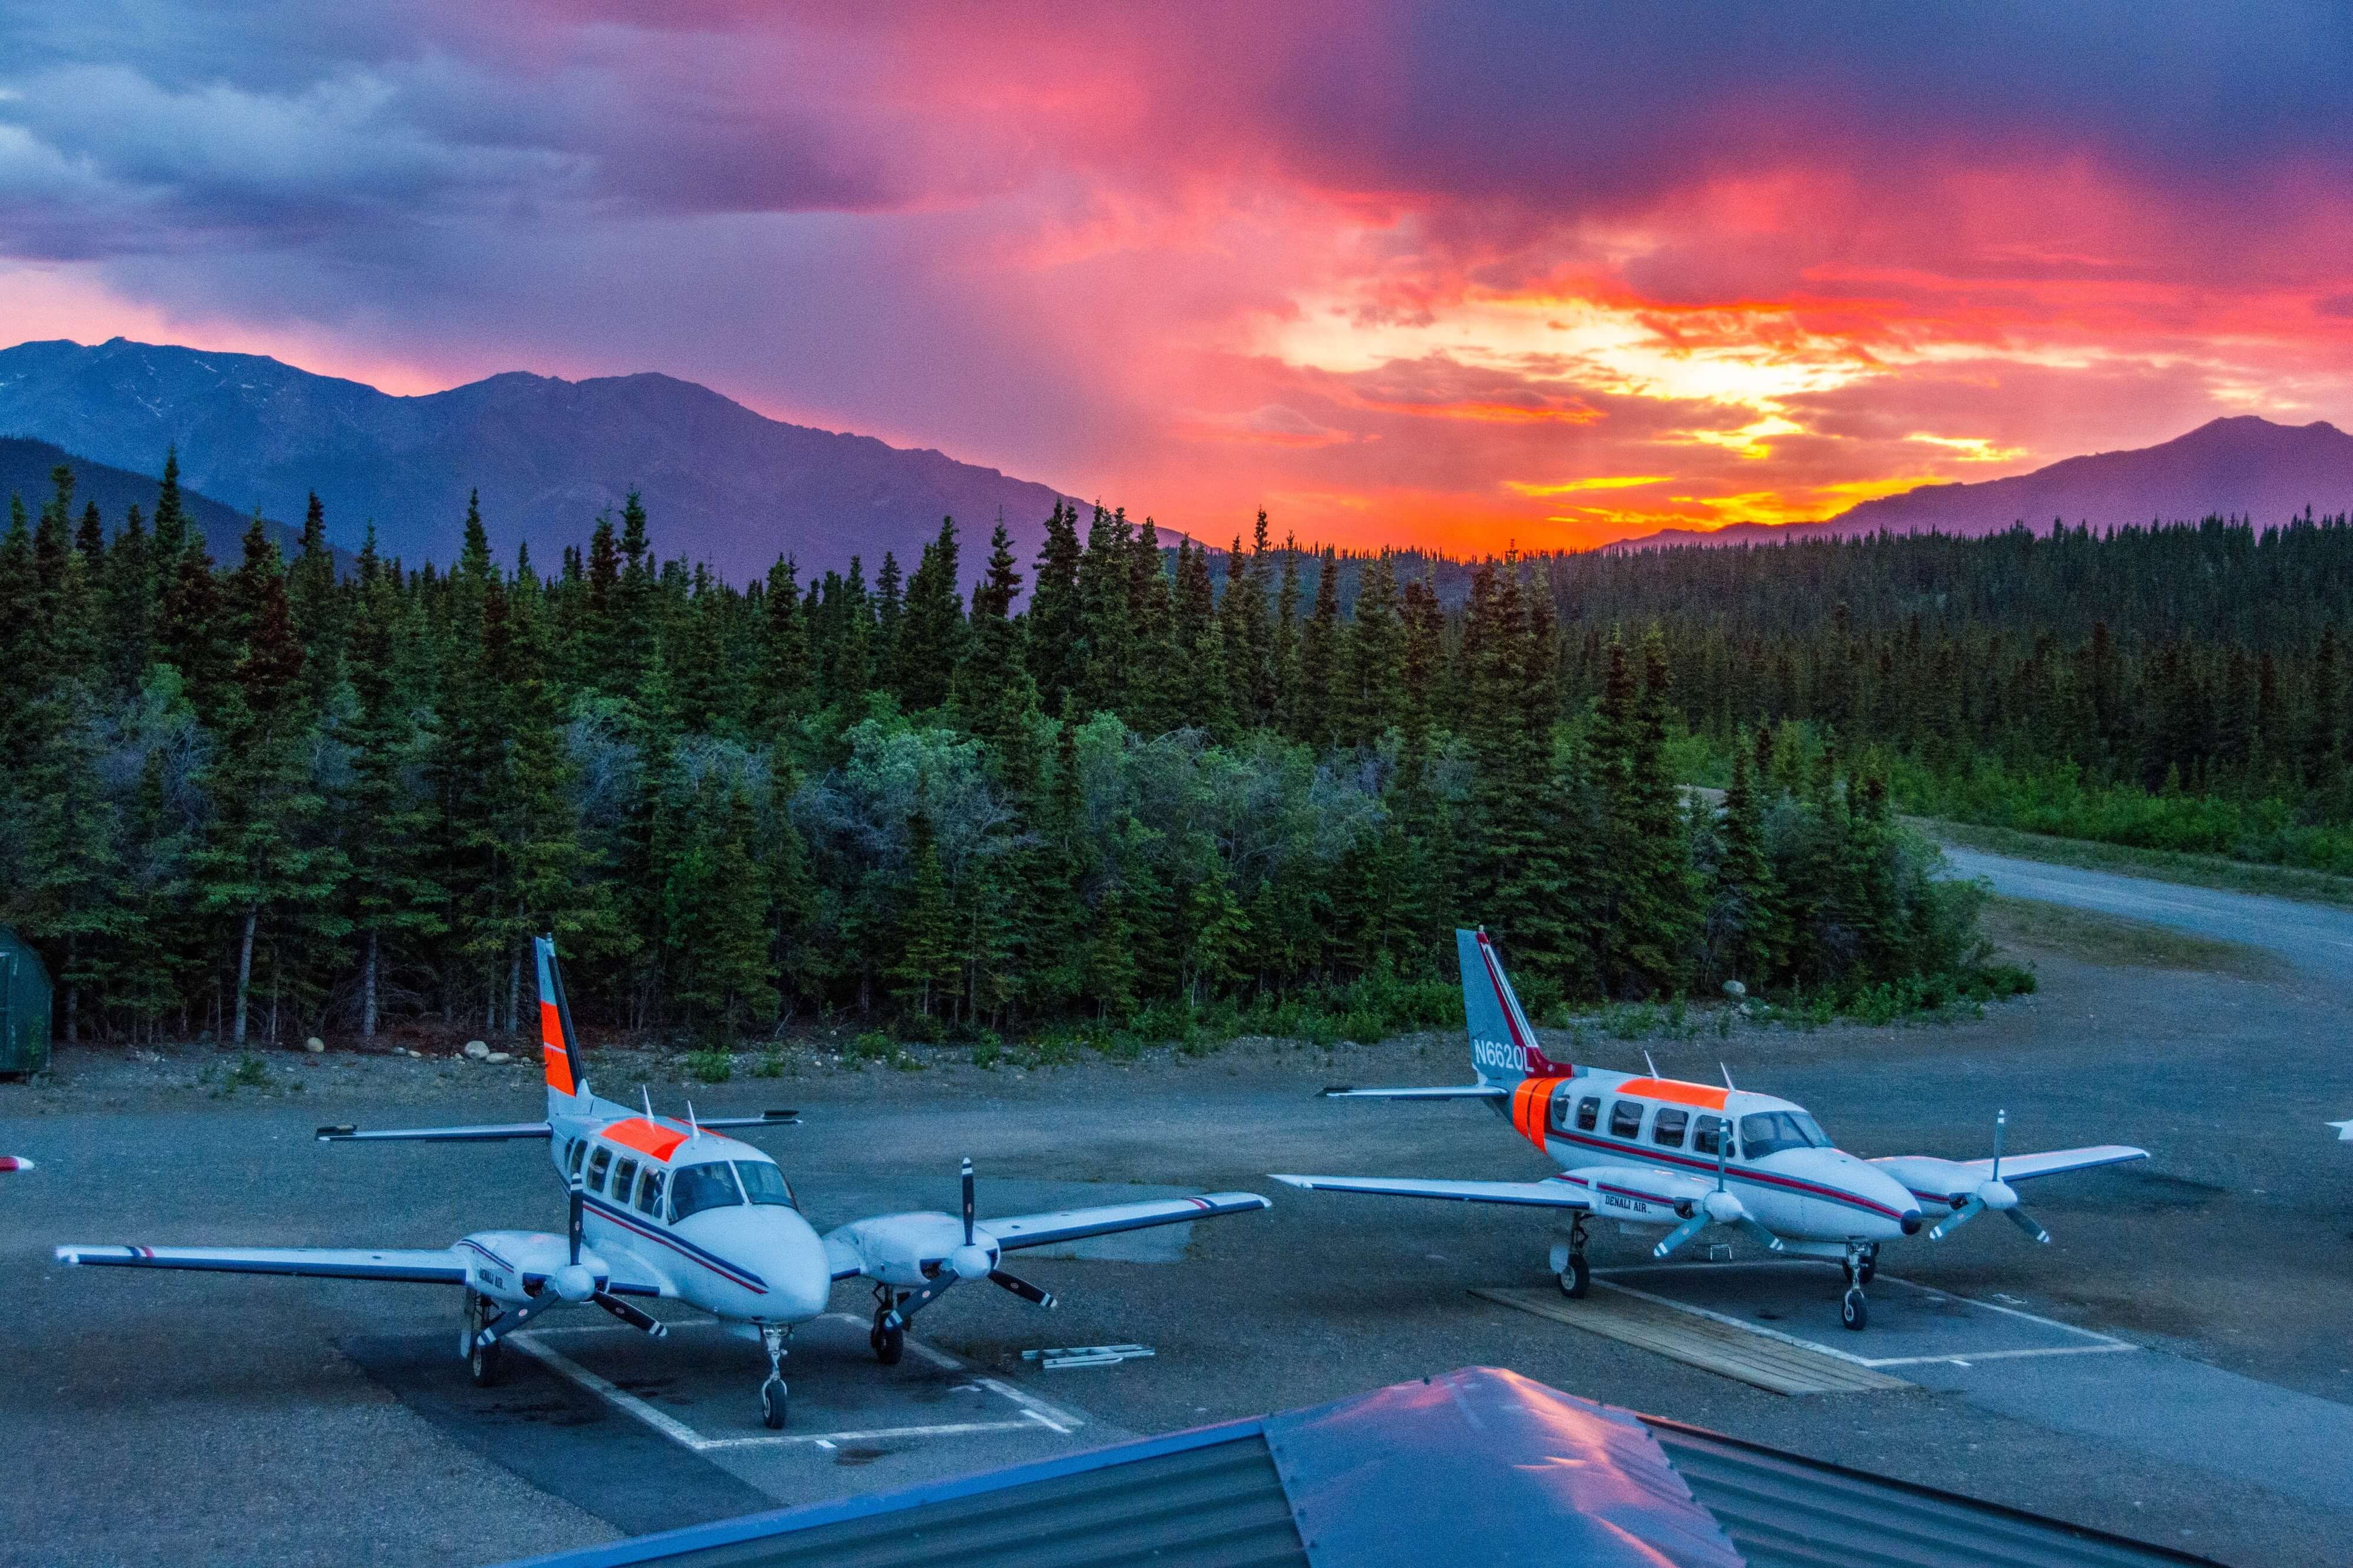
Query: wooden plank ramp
point(1761, 1360)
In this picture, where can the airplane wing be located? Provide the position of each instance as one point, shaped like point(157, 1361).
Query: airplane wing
point(421, 1266)
point(2017, 1168)
point(1016, 1231)
point(1546, 1195)
point(1464, 1091)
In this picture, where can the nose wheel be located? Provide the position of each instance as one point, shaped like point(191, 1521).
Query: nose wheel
point(773, 1400)
point(1861, 1263)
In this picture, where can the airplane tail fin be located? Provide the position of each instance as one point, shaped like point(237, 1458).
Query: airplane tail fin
point(1503, 1047)
point(559, 1046)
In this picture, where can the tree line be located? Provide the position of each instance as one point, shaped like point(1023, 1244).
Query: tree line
point(262, 797)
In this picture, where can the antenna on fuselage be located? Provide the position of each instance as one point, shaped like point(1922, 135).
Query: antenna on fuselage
point(648, 1093)
point(1727, 1077)
point(694, 1127)
point(1648, 1063)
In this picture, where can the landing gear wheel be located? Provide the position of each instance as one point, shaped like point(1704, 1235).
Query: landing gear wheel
point(889, 1343)
point(484, 1363)
point(1577, 1278)
point(1854, 1312)
point(773, 1404)
point(1867, 1272)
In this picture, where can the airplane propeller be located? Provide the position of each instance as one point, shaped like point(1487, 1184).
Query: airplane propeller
point(1719, 1207)
point(970, 1260)
point(572, 1282)
point(1991, 1194)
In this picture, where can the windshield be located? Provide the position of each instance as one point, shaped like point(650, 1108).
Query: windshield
point(764, 1184)
point(699, 1187)
point(1770, 1131)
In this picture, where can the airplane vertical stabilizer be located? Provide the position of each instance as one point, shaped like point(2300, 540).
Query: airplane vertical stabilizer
point(1503, 1047)
point(567, 1079)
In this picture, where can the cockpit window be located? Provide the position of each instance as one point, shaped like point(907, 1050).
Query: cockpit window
point(1770, 1131)
point(699, 1187)
point(764, 1184)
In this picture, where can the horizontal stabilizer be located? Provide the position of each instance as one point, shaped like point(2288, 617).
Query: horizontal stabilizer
point(1550, 1194)
point(1462, 1091)
point(765, 1118)
point(486, 1133)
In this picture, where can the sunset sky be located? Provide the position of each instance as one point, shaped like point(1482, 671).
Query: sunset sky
point(1553, 272)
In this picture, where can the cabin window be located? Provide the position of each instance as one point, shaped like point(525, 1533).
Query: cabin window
point(579, 1153)
point(649, 1191)
point(1667, 1128)
point(764, 1183)
point(1588, 1112)
point(699, 1187)
point(625, 1177)
point(1626, 1118)
point(1561, 1107)
point(599, 1162)
point(1708, 1137)
point(1770, 1131)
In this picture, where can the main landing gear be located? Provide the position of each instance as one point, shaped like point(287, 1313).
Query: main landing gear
point(888, 1340)
point(1568, 1262)
point(483, 1361)
point(1861, 1263)
point(774, 1338)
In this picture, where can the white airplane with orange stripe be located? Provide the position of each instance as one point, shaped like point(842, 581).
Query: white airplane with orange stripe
point(1652, 1150)
point(668, 1209)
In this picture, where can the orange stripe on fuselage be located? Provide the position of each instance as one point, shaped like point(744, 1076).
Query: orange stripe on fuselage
point(1676, 1091)
point(645, 1138)
point(1528, 1103)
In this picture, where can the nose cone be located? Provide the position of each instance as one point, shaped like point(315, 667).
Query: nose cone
point(774, 1245)
point(1911, 1222)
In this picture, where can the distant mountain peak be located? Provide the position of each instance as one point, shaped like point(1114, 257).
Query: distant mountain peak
point(721, 482)
point(2239, 464)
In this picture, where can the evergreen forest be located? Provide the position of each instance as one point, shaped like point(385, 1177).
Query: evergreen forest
point(1117, 791)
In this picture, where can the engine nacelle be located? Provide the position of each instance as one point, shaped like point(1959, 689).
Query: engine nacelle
point(895, 1248)
point(511, 1266)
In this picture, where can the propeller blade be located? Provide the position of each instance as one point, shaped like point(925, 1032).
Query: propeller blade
point(515, 1317)
point(1960, 1216)
point(1680, 1235)
point(967, 1201)
point(1022, 1287)
point(916, 1300)
point(1759, 1232)
point(573, 1224)
point(2018, 1218)
point(635, 1316)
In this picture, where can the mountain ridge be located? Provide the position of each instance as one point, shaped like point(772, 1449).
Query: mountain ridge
point(721, 482)
point(2240, 465)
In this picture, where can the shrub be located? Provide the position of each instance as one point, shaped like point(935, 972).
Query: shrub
point(710, 1067)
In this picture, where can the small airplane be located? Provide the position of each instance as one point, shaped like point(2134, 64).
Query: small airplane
point(14, 1162)
point(1652, 1150)
point(662, 1208)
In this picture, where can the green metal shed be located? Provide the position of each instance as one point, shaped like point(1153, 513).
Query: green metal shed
point(24, 1007)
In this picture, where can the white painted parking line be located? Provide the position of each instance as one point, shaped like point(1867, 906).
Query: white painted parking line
point(2093, 1343)
point(1031, 1413)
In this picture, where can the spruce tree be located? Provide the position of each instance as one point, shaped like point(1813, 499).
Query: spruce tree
point(931, 636)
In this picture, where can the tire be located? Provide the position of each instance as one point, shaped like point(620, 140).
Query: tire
point(773, 1404)
point(1869, 1271)
point(1854, 1312)
point(893, 1346)
point(485, 1363)
point(1577, 1278)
